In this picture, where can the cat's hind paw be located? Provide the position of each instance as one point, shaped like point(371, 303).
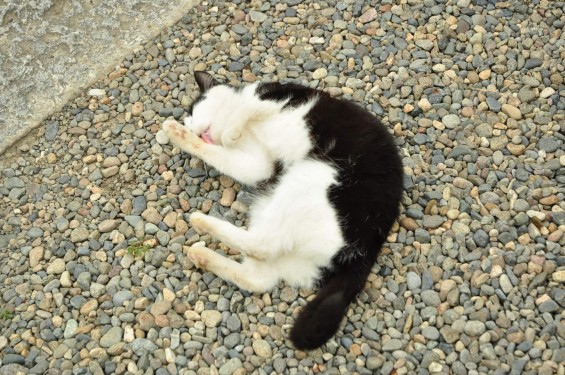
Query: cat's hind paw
point(199, 256)
point(199, 222)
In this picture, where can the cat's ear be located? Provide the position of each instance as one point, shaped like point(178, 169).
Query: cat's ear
point(205, 81)
point(231, 135)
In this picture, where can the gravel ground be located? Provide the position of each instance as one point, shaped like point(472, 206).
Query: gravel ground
point(471, 281)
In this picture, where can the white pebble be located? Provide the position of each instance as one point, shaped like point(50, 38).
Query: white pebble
point(547, 92)
point(97, 92)
point(161, 137)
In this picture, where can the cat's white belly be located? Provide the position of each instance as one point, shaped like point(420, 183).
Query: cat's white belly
point(297, 224)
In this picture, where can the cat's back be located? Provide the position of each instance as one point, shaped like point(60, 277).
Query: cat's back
point(363, 152)
point(339, 129)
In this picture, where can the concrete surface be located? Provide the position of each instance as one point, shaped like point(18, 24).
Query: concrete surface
point(51, 50)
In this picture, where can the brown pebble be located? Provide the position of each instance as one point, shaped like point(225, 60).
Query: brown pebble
point(170, 219)
point(162, 321)
point(356, 349)
point(550, 200)
point(226, 181)
point(88, 307)
point(238, 16)
point(111, 161)
point(160, 308)
point(117, 73)
point(77, 131)
point(555, 236)
point(145, 320)
point(137, 108)
point(429, 207)
point(51, 158)
point(534, 268)
point(152, 215)
point(228, 196)
point(516, 150)
point(485, 74)
point(537, 222)
point(207, 205)
point(515, 337)
point(473, 77)
point(108, 225)
point(436, 272)
point(512, 111)
point(446, 287)
point(408, 223)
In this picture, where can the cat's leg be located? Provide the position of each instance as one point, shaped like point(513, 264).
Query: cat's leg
point(252, 276)
point(248, 166)
point(234, 237)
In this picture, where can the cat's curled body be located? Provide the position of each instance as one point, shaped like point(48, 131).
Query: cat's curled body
point(328, 179)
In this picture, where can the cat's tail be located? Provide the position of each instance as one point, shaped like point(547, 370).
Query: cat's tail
point(320, 318)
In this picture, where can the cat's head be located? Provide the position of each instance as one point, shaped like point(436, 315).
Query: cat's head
point(222, 114)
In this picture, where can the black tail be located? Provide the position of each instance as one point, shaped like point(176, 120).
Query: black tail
point(320, 318)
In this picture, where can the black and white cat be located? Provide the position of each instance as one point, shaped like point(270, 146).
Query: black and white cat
point(329, 182)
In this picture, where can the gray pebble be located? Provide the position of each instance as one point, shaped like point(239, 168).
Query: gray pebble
point(474, 328)
point(422, 235)
point(548, 144)
point(140, 345)
point(230, 366)
point(493, 104)
point(481, 238)
point(430, 297)
point(431, 333)
point(413, 280)
point(121, 296)
point(112, 337)
point(392, 344)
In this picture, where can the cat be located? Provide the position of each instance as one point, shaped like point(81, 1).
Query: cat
point(329, 182)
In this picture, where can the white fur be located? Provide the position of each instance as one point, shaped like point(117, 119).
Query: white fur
point(294, 231)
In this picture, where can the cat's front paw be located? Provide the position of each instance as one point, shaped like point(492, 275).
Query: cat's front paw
point(180, 136)
point(170, 127)
point(199, 222)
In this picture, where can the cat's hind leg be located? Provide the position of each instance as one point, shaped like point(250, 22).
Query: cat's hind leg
point(252, 276)
point(232, 236)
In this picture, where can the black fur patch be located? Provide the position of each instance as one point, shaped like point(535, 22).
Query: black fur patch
point(366, 198)
point(295, 94)
point(370, 169)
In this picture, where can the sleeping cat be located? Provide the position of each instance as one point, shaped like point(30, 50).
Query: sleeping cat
point(328, 178)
